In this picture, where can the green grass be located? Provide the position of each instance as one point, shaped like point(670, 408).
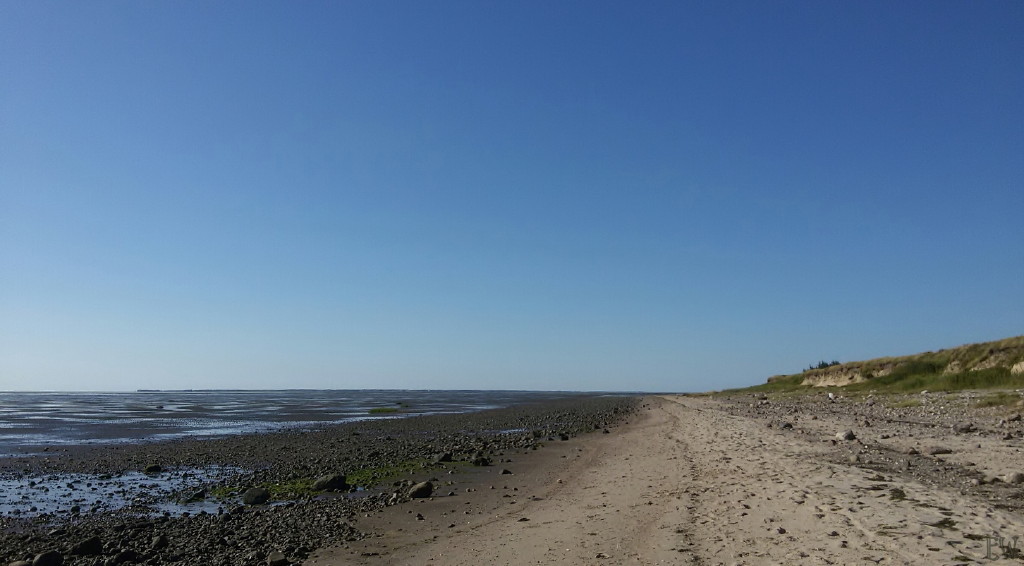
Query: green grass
point(295, 489)
point(383, 410)
point(1000, 399)
point(370, 477)
point(223, 492)
point(302, 488)
point(917, 377)
point(910, 378)
point(912, 374)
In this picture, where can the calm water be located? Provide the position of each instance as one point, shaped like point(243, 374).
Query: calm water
point(30, 422)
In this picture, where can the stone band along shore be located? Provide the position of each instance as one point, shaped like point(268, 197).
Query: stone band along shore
point(298, 518)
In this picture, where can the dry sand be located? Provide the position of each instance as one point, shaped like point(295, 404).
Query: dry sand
point(691, 480)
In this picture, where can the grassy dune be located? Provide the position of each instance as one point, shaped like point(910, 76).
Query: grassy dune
point(986, 365)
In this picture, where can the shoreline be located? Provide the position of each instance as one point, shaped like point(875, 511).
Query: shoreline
point(280, 460)
point(738, 480)
point(37, 422)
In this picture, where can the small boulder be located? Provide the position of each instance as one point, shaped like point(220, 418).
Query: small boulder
point(255, 496)
point(938, 451)
point(277, 558)
point(1015, 478)
point(127, 556)
point(963, 428)
point(159, 541)
point(421, 490)
point(442, 457)
point(48, 558)
point(331, 482)
point(153, 469)
point(91, 546)
point(846, 435)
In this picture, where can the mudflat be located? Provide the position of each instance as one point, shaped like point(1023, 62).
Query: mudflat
point(258, 499)
point(741, 480)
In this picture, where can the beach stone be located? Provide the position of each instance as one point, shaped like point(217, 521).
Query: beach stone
point(963, 428)
point(255, 496)
point(443, 457)
point(846, 435)
point(421, 490)
point(506, 472)
point(48, 558)
point(126, 556)
point(938, 451)
point(277, 558)
point(91, 546)
point(1015, 477)
point(331, 482)
point(20, 563)
point(786, 425)
point(159, 541)
point(154, 469)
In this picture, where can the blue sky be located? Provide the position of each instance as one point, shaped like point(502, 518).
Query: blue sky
point(587, 195)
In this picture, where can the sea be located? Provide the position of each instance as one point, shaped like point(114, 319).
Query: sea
point(33, 422)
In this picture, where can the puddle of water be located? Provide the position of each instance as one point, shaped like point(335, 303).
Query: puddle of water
point(68, 494)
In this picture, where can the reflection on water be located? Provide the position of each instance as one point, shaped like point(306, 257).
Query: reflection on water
point(30, 422)
point(174, 492)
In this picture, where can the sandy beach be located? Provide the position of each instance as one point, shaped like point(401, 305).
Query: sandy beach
point(924, 478)
point(698, 480)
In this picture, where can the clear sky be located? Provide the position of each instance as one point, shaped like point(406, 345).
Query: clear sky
point(502, 195)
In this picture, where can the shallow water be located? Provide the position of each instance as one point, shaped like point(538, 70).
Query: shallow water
point(84, 494)
point(31, 422)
